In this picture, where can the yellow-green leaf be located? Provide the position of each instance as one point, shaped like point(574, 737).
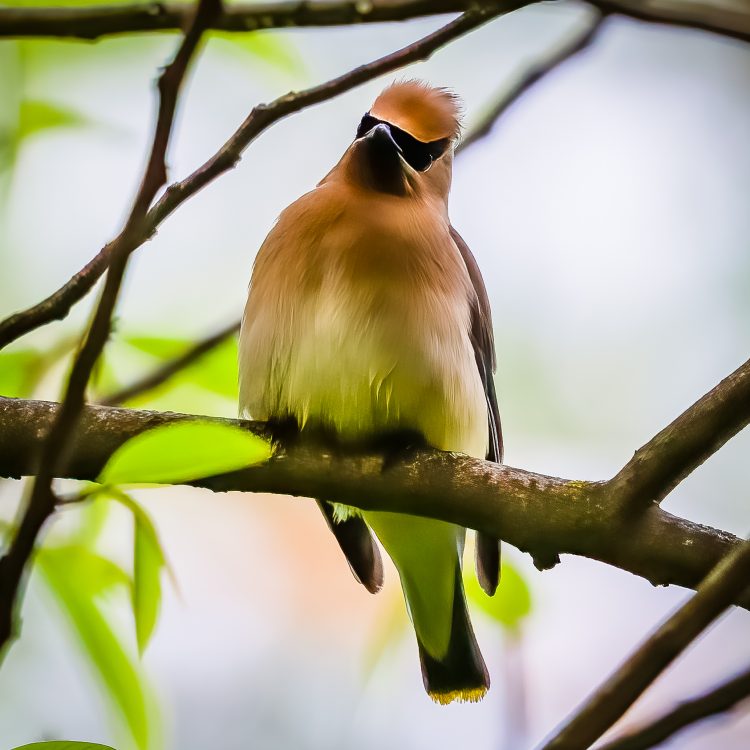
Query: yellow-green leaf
point(63, 745)
point(18, 372)
point(77, 577)
point(35, 116)
point(511, 603)
point(184, 451)
point(266, 47)
point(158, 346)
point(216, 370)
point(148, 562)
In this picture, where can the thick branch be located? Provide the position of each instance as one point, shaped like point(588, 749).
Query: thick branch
point(94, 22)
point(59, 304)
point(719, 590)
point(53, 451)
point(660, 465)
point(719, 700)
point(540, 514)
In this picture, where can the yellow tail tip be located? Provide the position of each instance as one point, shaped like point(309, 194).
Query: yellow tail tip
point(472, 695)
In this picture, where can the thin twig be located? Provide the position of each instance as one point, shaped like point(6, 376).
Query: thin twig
point(161, 374)
point(482, 129)
point(90, 23)
point(56, 446)
point(722, 698)
point(721, 587)
point(59, 304)
point(529, 78)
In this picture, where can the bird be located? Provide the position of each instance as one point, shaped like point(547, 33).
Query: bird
point(367, 316)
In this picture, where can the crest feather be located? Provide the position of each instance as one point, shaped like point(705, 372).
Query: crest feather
point(426, 112)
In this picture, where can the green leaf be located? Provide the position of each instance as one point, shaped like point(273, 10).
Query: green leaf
point(158, 346)
point(21, 370)
point(18, 372)
point(77, 577)
point(62, 745)
point(512, 601)
point(59, 3)
point(216, 371)
point(148, 562)
point(266, 47)
point(183, 451)
point(35, 116)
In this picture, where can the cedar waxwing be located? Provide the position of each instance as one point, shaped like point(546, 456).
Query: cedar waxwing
point(367, 316)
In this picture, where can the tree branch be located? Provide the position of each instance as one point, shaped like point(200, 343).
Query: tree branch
point(89, 23)
point(53, 451)
point(59, 304)
point(711, 15)
point(529, 78)
point(536, 513)
point(680, 448)
point(722, 586)
point(722, 698)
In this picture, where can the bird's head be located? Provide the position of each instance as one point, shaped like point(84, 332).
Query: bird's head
point(404, 144)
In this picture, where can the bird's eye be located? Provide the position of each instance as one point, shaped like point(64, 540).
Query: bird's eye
point(416, 153)
point(367, 123)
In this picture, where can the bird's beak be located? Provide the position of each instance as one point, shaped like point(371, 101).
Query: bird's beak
point(380, 158)
point(382, 138)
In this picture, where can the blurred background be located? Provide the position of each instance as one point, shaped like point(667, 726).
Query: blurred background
point(608, 210)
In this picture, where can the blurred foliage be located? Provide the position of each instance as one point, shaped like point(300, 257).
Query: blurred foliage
point(23, 116)
point(510, 605)
point(215, 371)
point(62, 745)
point(268, 48)
point(148, 562)
point(80, 581)
point(19, 372)
point(35, 116)
point(22, 370)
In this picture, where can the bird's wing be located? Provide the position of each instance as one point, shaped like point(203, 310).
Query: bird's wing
point(358, 546)
point(483, 341)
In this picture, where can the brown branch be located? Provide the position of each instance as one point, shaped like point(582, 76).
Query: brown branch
point(58, 305)
point(529, 78)
point(162, 374)
point(712, 16)
point(660, 465)
point(721, 587)
point(53, 452)
point(482, 129)
point(91, 23)
point(539, 514)
point(719, 700)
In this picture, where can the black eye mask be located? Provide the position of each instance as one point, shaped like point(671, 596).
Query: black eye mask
point(417, 154)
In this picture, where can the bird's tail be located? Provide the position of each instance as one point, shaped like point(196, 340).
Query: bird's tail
point(461, 673)
point(426, 554)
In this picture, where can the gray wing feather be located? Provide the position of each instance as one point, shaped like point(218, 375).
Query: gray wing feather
point(483, 341)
